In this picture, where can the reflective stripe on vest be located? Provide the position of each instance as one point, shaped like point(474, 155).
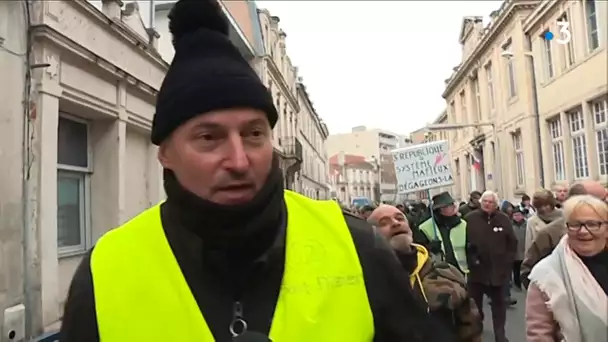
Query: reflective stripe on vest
point(141, 294)
point(458, 237)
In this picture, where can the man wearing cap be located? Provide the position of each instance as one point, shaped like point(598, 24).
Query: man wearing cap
point(445, 234)
point(230, 255)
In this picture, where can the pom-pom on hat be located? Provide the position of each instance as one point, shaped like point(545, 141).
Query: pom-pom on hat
point(207, 72)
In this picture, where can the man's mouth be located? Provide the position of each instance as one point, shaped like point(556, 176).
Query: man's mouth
point(398, 233)
point(237, 186)
point(237, 193)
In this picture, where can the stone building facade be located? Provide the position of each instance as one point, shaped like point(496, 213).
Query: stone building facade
point(76, 158)
point(312, 179)
point(544, 99)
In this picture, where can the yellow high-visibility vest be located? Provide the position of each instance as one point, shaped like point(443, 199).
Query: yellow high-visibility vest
point(142, 295)
point(458, 238)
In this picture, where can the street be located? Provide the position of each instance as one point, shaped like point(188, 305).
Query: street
point(516, 328)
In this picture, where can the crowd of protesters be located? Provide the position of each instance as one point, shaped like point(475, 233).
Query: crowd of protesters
point(496, 247)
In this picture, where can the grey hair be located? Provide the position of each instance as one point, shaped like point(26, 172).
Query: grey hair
point(492, 194)
point(569, 207)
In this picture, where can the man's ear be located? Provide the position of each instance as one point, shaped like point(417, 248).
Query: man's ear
point(163, 151)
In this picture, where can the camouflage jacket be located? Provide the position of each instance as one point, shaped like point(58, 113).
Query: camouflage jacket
point(444, 290)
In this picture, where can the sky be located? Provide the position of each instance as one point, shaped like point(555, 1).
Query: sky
point(381, 64)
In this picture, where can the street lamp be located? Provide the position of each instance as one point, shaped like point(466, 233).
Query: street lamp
point(497, 159)
point(530, 57)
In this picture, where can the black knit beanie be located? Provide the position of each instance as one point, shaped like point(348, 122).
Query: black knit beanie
point(207, 73)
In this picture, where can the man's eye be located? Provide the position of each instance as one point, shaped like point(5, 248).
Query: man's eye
point(206, 136)
point(256, 133)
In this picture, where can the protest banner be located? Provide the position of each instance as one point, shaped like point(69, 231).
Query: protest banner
point(423, 166)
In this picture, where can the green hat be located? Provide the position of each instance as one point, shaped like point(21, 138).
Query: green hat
point(442, 200)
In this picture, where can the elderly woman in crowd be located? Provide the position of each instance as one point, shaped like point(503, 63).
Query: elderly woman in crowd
point(546, 212)
point(568, 294)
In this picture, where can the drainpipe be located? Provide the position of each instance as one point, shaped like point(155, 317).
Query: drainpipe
point(530, 59)
point(29, 247)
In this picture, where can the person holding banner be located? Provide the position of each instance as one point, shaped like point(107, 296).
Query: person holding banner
point(445, 233)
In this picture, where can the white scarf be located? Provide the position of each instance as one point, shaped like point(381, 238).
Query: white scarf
point(578, 303)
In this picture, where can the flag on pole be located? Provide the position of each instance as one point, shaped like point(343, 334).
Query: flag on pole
point(475, 162)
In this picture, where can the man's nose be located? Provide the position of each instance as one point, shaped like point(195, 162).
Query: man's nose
point(237, 160)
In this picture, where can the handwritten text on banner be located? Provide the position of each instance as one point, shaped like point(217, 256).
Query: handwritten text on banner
point(424, 166)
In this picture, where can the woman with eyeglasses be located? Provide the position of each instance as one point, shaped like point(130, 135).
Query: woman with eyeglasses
point(567, 298)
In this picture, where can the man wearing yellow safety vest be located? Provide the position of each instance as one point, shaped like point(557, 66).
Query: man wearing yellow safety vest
point(230, 255)
point(440, 286)
point(445, 234)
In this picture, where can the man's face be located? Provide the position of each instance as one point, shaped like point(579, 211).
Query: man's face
point(400, 207)
point(475, 200)
point(390, 221)
point(561, 192)
point(489, 205)
point(222, 156)
point(545, 209)
point(450, 210)
point(365, 214)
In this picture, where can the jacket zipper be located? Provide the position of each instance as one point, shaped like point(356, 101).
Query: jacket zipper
point(238, 326)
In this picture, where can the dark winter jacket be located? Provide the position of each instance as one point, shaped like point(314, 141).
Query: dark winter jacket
point(493, 243)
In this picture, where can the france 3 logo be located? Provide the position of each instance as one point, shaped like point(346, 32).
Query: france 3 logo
point(563, 37)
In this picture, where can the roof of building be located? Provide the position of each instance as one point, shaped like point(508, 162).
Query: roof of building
point(349, 159)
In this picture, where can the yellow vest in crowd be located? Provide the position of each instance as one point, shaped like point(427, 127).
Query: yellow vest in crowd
point(142, 295)
point(458, 238)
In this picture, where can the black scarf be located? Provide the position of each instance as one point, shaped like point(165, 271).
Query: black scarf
point(240, 232)
point(446, 221)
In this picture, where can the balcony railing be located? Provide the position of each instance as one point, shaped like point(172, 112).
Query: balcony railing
point(292, 148)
